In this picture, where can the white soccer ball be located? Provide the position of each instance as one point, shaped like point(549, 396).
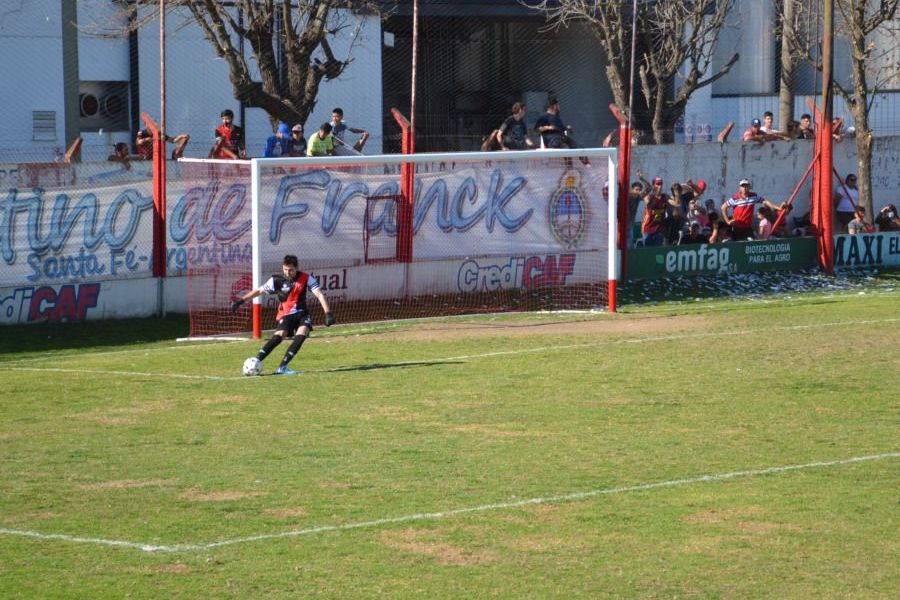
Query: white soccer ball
point(252, 367)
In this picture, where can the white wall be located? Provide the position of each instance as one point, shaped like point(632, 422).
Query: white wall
point(31, 76)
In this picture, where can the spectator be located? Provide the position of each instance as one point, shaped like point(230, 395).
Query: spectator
point(793, 130)
point(768, 127)
point(296, 145)
point(742, 204)
point(719, 231)
point(143, 144)
point(655, 204)
point(673, 227)
point(710, 206)
point(229, 139)
point(755, 133)
point(554, 133)
point(688, 191)
point(120, 154)
point(694, 235)
point(339, 129)
point(321, 144)
point(846, 199)
point(806, 130)
point(276, 145)
point(764, 227)
point(888, 219)
point(858, 224)
point(635, 195)
point(837, 129)
point(697, 214)
point(513, 132)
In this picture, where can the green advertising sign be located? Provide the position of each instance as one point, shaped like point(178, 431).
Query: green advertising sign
point(711, 259)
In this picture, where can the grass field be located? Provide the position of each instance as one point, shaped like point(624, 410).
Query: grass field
point(715, 449)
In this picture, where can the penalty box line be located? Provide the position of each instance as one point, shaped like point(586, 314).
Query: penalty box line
point(431, 516)
point(439, 360)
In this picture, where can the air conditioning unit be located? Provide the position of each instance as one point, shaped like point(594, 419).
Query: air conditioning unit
point(103, 105)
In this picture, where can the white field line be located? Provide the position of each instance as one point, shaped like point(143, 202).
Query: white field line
point(431, 516)
point(640, 340)
point(125, 373)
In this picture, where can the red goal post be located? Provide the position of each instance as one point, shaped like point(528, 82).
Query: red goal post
point(490, 232)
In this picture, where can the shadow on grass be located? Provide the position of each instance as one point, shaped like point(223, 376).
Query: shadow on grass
point(373, 366)
point(41, 337)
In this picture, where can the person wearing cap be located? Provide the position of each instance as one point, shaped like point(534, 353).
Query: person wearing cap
point(742, 205)
point(655, 204)
point(846, 199)
point(554, 133)
point(229, 139)
point(296, 144)
point(276, 145)
point(755, 133)
point(321, 144)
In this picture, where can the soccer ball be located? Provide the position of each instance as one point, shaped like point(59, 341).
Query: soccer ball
point(252, 367)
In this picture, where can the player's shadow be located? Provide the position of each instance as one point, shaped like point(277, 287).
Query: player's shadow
point(398, 365)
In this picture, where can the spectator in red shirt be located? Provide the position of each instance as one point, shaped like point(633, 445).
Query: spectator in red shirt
point(229, 139)
point(755, 133)
point(742, 205)
point(655, 203)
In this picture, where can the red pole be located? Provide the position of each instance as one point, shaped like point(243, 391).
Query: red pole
point(826, 190)
point(624, 187)
point(790, 200)
point(407, 182)
point(159, 160)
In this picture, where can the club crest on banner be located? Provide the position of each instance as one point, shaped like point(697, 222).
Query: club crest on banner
point(568, 210)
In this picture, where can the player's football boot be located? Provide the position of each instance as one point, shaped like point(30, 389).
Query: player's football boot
point(284, 371)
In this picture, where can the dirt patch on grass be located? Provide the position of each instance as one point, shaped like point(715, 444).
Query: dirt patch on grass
point(629, 324)
point(224, 400)
point(126, 484)
point(195, 495)
point(285, 513)
point(127, 415)
point(177, 568)
point(107, 420)
point(409, 540)
point(720, 515)
point(487, 430)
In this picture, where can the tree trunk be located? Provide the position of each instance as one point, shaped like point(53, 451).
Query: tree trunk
point(864, 143)
point(786, 89)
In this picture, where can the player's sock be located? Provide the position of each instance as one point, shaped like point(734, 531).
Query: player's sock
point(270, 345)
point(293, 350)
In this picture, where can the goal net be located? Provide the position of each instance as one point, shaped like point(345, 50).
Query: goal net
point(402, 236)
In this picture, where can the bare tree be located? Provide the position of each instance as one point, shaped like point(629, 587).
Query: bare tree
point(676, 41)
point(788, 63)
point(289, 42)
point(873, 67)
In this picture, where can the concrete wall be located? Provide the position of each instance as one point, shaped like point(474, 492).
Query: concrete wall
point(774, 168)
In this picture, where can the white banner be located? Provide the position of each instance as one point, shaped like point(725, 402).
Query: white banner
point(867, 250)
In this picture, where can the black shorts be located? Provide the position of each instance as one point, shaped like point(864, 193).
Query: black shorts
point(291, 323)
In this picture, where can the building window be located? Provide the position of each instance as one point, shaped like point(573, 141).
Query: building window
point(43, 125)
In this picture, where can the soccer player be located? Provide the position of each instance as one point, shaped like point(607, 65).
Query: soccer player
point(293, 317)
